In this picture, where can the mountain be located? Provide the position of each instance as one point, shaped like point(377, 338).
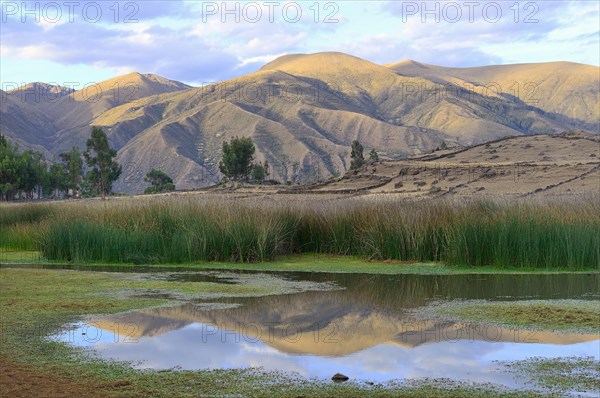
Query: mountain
point(326, 323)
point(34, 93)
point(563, 88)
point(54, 118)
point(535, 165)
point(82, 106)
point(303, 111)
point(24, 124)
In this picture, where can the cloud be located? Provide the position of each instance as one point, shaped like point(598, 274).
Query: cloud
point(185, 40)
point(260, 60)
point(90, 11)
point(185, 48)
point(389, 49)
point(460, 35)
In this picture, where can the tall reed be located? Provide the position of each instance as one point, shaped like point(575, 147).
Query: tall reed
point(178, 230)
point(21, 224)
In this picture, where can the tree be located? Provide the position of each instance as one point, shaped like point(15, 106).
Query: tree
point(99, 157)
point(295, 179)
point(56, 180)
point(73, 169)
point(260, 171)
point(236, 163)
point(373, 156)
point(32, 169)
point(159, 182)
point(9, 169)
point(284, 167)
point(21, 173)
point(356, 155)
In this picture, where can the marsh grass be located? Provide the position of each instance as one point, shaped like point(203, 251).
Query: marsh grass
point(20, 237)
point(568, 316)
point(566, 374)
point(512, 234)
point(512, 242)
point(11, 214)
point(20, 224)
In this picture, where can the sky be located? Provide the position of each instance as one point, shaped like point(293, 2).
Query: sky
point(198, 42)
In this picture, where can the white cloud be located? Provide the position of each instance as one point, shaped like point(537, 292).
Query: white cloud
point(262, 59)
point(172, 39)
point(38, 51)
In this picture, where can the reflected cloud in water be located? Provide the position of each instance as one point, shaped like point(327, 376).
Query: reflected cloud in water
point(190, 349)
point(365, 331)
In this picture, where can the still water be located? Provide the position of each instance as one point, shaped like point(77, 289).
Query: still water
point(367, 330)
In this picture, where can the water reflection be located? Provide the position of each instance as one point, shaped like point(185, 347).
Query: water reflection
point(365, 331)
point(203, 346)
point(326, 330)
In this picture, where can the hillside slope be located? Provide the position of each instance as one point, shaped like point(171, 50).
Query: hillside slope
point(564, 88)
point(37, 92)
point(303, 111)
point(56, 118)
point(537, 165)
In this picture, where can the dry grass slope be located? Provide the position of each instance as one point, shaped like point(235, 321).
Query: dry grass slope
point(567, 164)
point(303, 111)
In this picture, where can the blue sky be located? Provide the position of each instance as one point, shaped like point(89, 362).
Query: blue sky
point(199, 41)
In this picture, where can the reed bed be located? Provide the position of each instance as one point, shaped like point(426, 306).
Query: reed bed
point(519, 234)
point(20, 224)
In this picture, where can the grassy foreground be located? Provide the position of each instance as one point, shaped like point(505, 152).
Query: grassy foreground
point(304, 262)
point(176, 230)
point(558, 374)
point(35, 303)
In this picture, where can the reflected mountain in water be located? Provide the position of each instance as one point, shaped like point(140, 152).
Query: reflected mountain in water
point(370, 311)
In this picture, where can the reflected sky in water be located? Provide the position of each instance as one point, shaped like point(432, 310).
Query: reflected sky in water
point(365, 331)
point(201, 346)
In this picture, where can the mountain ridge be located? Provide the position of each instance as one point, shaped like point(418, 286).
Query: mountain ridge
point(303, 111)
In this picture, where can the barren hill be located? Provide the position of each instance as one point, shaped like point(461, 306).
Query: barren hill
point(57, 118)
point(303, 111)
point(35, 93)
point(568, 163)
point(563, 88)
point(25, 124)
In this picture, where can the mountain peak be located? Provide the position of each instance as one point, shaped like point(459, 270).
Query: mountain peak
point(321, 61)
point(163, 80)
point(281, 61)
point(407, 63)
point(37, 92)
point(133, 85)
point(40, 87)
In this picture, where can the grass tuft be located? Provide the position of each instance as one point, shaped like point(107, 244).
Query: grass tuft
point(516, 235)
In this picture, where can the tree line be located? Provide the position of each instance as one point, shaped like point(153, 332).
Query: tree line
point(237, 162)
point(27, 175)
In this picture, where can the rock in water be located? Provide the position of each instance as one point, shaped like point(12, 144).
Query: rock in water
point(338, 377)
